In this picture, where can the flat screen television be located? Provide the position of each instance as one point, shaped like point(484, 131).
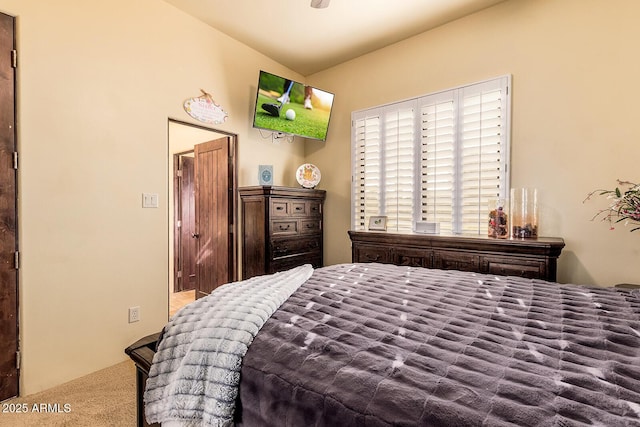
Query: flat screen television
point(292, 108)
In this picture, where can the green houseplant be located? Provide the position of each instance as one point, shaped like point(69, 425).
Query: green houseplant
point(624, 206)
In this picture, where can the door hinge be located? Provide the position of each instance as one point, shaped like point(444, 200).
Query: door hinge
point(178, 224)
point(16, 260)
point(179, 173)
point(180, 274)
point(14, 58)
point(18, 359)
point(15, 160)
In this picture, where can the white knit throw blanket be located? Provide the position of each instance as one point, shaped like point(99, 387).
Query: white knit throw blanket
point(194, 378)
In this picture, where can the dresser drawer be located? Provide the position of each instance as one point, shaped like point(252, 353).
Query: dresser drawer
point(281, 248)
point(299, 208)
point(295, 208)
point(293, 226)
point(314, 208)
point(284, 227)
point(413, 257)
point(308, 226)
point(529, 269)
point(453, 260)
point(283, 264)
point(367, 253)
point(280, 208)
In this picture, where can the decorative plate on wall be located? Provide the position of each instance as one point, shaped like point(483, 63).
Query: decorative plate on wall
point(308, 175)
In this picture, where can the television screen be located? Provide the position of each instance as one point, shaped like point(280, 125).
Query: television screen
point(289, 107)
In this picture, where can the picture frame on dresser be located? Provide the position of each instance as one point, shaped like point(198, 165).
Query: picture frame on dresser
point(378, 223)
point(265, 174)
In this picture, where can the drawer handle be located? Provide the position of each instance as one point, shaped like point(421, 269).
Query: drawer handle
point(285, 228)
point(504, 272)
point(373, 258)
point(279, 208)
point(299, 208)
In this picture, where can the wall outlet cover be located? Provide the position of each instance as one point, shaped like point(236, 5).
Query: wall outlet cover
point(134, 314)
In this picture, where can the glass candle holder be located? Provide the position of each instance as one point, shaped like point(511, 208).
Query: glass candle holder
point(498, 218)
point(524, 213)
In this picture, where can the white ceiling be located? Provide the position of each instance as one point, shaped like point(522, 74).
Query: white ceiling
point(308, 40)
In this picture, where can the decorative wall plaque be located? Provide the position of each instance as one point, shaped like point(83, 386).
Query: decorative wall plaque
point(204, 109)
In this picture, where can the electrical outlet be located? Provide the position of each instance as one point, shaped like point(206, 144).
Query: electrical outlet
point(134, 314)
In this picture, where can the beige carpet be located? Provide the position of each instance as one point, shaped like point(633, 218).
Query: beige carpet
point(103, 398)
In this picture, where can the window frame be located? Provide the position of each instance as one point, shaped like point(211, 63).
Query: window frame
point(457, 94)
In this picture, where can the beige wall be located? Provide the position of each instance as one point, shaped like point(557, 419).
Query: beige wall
point(97, 82)
point(575, 73)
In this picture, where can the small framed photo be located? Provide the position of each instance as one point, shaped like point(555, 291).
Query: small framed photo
point(265, 174)
point(378, 223)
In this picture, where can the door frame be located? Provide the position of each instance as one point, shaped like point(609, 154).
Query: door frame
point(233, 205)
point(9, 306)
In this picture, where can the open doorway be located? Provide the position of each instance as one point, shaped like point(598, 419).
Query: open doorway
point(184, 225)
point(202, 211)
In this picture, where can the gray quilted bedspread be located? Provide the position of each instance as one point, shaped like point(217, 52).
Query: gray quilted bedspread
point(379, 345)
point(194, 378)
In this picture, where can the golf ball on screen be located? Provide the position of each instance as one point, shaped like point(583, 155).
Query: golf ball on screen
point(290, 114)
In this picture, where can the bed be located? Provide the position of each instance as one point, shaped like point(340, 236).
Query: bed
point(381, 345)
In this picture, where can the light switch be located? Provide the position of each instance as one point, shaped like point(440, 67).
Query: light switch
point(149, 200)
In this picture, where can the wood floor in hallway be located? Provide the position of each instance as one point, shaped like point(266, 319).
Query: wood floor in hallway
point(177, 300)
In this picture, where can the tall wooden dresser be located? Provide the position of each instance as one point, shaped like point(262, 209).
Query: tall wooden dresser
point(281, 228)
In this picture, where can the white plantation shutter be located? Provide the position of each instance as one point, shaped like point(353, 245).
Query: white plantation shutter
point(438, 161)
point(367, 175)
point(436, 158)
point(399, 166)
point(482, 145)
point(383, 166)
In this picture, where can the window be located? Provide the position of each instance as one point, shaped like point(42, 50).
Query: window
point(437, 158)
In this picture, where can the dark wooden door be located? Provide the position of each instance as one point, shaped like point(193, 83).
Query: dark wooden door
point(8, 216)
point(188, 244)
point(213, 202)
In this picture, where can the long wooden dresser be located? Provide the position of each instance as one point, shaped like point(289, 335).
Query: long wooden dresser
point(531, 258)
point(281, 228)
